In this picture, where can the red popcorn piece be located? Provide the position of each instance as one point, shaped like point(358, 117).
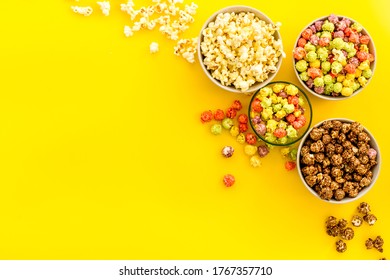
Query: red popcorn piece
point(323, 42)
point(229, 180)
point(206, 116)
point(354, 38)
point(350, 68)
point(237, 105)
point(231, 113)
point(280, 132)
point(290, 165)
point(242, 118)
point(250, 138)
point(306, 34)
point(219, 115)
point(314, 72)
point(292, 99)
point(243, 127)
point(364, 39)
point(302, 42)
point(290, 118)
point(362, 56)
point(299, 53)
point(256, 105)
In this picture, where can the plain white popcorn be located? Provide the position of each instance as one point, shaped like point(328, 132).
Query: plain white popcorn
point(105, 7)
point(171, 19)
point(127, 31)
point(186, 48)
point(153, 47)
point(239, 49)
point(86, 11)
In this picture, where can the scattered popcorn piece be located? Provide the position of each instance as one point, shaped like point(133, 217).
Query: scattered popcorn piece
point(186, 48)
point(128, 32)
point(129, 8)
point(168, 9)
point(86, 11)
point(105, 7)
point(153, 47)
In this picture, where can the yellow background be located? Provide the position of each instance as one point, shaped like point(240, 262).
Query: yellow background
point(103, 156)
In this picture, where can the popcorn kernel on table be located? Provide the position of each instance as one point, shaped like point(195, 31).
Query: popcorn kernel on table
point(357, 221)
point(206, 116)
point(347, 233)
point(240, 138)
point(250, 150)
point(236, 105)
point(290, 165)
point(250, 138)
point(234, 131)
point(219, 115)
point(262, 150)
point(227, 123)
point(255, 161)
point(364, 208)
point(231, 113)
point(229, 180)
point(370, 219)
point(227, 151)
point(341, 246)
point(216, 129)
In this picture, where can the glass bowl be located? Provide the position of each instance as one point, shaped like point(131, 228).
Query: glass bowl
point(352, 70)
point(319, 186)
point(280, 113)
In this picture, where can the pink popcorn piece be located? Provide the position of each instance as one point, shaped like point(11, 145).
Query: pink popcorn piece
point(229, 180)
point(372, 153)
point(333, 19)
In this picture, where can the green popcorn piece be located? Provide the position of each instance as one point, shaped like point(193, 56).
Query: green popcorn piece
point(291, 89)
point(325, 66)
point(289, 108)
point(328, 79)
point(266, 102)
point(338, 43)
point(357, 26)
point(367, 73)
point(328, 89)
point(319, 82)
point(227, 123)
point(304, 76)
point(309, 47)
point(328, 26)
point(301, 65)
point(337, 87)
point(311, 56)
point(271, 125)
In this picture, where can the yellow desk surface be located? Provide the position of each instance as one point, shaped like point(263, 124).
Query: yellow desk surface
point(103, 156)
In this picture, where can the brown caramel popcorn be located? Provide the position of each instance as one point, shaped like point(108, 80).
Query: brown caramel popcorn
point(357, 221)
point(364, 208)
point(308, 159)
point(316, 134)
point(339, 194)
point(370, 219)
point(341, 246)
point(317, 147)
point(347, 233)
point(326, 139)
point(377, 243)
point(342, 152)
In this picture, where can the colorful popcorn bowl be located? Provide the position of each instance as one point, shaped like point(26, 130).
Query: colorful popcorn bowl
point(280, 113)
point(334, 57)
point(232, 50)
point(338, 160)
